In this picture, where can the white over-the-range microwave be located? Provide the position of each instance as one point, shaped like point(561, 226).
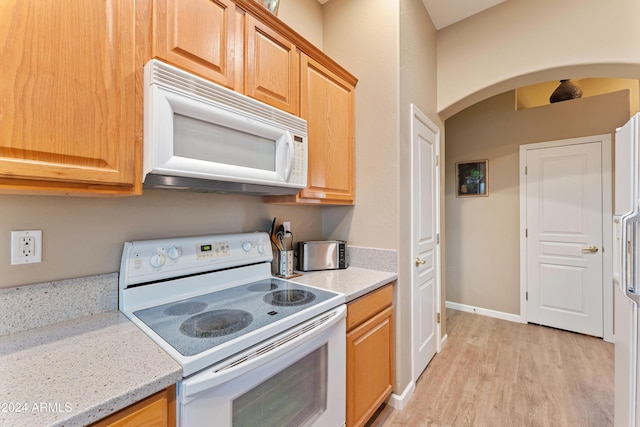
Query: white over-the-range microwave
point(201, 136)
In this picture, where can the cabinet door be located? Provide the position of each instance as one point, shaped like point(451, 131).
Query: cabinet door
point(67, 96)
point(198, 36)
point(369, 367)
point(272, 68)
point(328, 106)
point(156, 410)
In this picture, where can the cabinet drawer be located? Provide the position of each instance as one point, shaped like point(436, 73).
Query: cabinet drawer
point(367, 306)
point(156, 410)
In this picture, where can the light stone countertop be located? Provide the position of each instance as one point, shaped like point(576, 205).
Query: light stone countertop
point(354, 282)
point(79, 371)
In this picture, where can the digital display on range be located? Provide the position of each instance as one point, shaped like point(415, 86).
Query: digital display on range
point(212, 250)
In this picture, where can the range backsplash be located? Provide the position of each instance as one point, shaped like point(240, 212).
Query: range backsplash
point(34, 306)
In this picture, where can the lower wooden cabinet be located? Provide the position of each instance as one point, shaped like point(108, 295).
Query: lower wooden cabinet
point(369, 354)
point(158, 410)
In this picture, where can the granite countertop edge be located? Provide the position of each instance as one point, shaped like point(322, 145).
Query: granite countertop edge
point(84, 370)
point(353, 282)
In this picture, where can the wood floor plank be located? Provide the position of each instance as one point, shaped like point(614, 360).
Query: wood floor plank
point(497, 373)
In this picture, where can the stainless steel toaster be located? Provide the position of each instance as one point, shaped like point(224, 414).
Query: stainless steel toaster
point(322, 255)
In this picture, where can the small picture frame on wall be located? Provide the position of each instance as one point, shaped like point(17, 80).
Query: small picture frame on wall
point(472, 178)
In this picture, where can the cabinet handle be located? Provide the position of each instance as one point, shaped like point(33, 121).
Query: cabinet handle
point(420, 261)
point(590, 249)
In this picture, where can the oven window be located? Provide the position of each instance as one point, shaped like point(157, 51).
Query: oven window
point(200, 140)
point(296, 396)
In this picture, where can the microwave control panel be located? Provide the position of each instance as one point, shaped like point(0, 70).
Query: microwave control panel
point(299, 167)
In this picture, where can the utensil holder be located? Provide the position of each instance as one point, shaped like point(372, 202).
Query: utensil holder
point(284, 263)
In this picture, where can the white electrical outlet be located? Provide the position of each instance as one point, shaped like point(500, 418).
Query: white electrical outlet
point(26, 246)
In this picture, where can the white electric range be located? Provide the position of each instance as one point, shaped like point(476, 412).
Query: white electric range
point(250, 345)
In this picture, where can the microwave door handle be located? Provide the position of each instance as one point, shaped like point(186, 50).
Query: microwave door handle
point(289, 165)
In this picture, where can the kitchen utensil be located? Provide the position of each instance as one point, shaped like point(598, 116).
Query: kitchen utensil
point(273, 227)
point(276, 242)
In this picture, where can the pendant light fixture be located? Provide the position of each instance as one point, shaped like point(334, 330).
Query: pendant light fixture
point(567, 89)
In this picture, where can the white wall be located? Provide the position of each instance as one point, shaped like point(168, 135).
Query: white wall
point(393, 55)
point(362, 36)
point(418, 86)
point(305, 17)
point(520, 42)
point(483, 234)
point(84, 236)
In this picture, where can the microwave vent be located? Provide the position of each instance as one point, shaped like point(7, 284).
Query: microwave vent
point(176, 80)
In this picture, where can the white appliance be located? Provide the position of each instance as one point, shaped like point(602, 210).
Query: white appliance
point(255, 350)
point(199, 135)
point(626, 278)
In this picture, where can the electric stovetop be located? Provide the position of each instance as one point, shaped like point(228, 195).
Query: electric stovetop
point(196, 324)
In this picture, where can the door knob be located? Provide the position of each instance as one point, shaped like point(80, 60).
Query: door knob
point(590, 249)
point(420, 261)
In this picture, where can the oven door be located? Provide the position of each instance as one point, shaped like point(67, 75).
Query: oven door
point(294, 379)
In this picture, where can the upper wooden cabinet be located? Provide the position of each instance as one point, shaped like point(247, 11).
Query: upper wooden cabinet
point(327, 103)
point(198, 36)
point(71, 88)
point(220, 42)
point(275, 65)
point(272, 67)
point(69, 108)
point(328, 107)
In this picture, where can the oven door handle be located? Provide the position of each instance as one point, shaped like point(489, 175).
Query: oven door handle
point(264, 352)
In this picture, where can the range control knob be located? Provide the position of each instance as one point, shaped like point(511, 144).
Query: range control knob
point(174, 253)
point(157, 261)
point(246, 246)
point(261, 248)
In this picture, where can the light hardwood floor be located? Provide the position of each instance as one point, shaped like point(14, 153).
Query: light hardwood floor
point(497, 373)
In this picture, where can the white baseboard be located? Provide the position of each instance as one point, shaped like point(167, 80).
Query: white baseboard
point(443, 342)
point(399, 402)
point(485, 312)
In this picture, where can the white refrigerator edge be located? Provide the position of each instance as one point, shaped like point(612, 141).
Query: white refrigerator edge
point(626, 224)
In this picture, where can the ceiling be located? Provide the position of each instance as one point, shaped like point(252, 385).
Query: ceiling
point(447, 12)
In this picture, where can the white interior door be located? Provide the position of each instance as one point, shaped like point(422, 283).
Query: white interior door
point(425, 281)
point(564, 235)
